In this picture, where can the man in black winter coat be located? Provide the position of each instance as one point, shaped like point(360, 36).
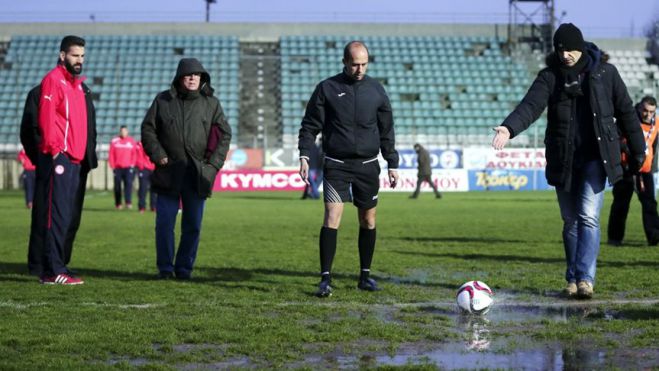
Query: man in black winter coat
point(588, 105)
point(187, 136)
point(30, 138)
point(354, 114)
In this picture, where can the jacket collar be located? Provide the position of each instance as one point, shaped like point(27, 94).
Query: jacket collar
point(74, 80)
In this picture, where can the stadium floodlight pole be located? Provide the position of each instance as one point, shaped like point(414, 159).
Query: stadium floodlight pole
point(208, 9)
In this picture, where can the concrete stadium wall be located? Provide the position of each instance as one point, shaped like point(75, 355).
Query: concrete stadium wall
point(98, 179)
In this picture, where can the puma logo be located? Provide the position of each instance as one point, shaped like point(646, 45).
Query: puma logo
point(341, 94)
point(49, 97)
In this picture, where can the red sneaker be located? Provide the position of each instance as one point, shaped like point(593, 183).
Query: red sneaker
point(47, 280)
point(65, 279)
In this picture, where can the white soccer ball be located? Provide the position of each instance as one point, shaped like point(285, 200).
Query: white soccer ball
point(474, 297)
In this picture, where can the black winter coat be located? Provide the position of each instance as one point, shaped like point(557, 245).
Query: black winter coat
point(612, 112)
point(355, 118)
point(30, 135)
point(177, 126)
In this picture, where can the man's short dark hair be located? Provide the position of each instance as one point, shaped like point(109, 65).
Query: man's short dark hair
point(123, 127)
point(346, 51)
point(69, 41)
point(649, 100)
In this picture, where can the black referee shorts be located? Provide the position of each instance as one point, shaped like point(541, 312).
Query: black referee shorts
point(355, 181)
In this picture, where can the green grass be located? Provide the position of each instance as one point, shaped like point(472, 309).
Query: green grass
point(250, 303)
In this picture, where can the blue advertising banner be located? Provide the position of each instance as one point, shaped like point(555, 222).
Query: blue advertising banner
point(507, 180)
point(439, 159)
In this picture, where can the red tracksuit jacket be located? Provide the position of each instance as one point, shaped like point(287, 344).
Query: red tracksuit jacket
point(143, 161)
point(63, 115)
point(25, 161)
point(123, 153)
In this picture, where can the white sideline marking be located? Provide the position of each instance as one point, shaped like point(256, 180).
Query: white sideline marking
point(14, 305)
point(87, 195)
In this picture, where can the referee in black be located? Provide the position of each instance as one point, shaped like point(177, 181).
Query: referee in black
point(354, 115)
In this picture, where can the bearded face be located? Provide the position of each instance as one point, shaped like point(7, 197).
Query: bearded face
point(73, 59)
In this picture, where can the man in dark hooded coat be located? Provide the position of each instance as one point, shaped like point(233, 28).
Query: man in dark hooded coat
point(187, 136)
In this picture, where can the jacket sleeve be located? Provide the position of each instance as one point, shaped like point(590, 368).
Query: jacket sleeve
point(30, 136)
point(531, 107)
point(312, 123)
point(149, 130)
point(218, 157)
point(49, 99)
point(111, 155)
point(387, 136)
point(626, 118)
point(134, 155)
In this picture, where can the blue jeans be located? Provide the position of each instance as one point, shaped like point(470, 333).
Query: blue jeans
point(166, 211)
point(580, 210)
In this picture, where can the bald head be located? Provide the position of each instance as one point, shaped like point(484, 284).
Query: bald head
point(355, 59)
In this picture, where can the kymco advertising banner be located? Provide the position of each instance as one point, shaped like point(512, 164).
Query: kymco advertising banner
point(258, 180)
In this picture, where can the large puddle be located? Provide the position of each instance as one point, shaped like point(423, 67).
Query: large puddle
point(480, 348)
point(485, 342)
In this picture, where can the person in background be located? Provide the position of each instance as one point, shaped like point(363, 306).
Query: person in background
point(122, 159)
point(144, 170)
point(587, 104)
point(186, 135)
point(315, 173)
point(29, 177)
point(644, 181)
point(424, 171)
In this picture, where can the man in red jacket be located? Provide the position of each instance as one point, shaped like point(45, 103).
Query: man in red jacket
point(122, 159)
point(144, 170)
point(63, 129)
point(28, 176)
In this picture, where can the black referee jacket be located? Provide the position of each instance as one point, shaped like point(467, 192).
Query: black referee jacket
point(355, 118)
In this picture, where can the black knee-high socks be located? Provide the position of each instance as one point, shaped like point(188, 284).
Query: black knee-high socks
point(327, 249)
point(366, 249)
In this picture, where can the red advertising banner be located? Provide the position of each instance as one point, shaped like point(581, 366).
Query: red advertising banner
point(258, 180)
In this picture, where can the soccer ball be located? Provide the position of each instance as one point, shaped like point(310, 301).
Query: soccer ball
point(474, 297)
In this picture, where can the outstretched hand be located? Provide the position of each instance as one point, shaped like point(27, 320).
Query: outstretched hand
point(501, 137)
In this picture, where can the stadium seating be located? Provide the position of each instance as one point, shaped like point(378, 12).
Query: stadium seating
point(443, 90)
point(639, 76)
point(438, 86)
point(124, 72)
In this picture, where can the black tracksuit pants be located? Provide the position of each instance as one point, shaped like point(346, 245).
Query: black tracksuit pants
point(55, 214)
point(622, 195)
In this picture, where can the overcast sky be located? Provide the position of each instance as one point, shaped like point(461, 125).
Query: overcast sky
point(597, 18)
